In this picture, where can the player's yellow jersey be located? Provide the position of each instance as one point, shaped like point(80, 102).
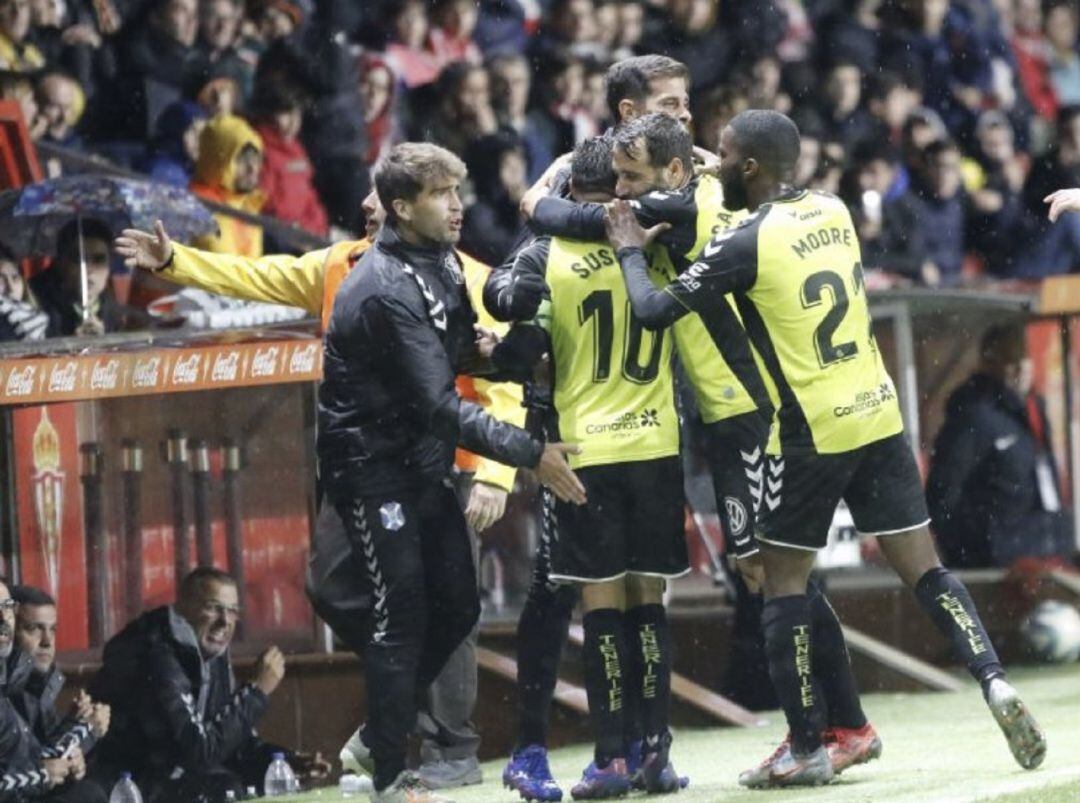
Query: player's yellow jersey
point(722, 388)
point(613, 387)
point(795, 266)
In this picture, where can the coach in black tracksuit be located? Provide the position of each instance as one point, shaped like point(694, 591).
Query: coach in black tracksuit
point(389, 421)
point(993, 490)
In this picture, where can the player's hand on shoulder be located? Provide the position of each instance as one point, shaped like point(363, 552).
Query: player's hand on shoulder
point(624, 231)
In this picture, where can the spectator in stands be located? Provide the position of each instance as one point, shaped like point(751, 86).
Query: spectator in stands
point(928, 221)
point(941, 45)
point(156, 61)
point(407, 52)
point(1031, 51)
point(17, 53)
point(23, 769)
point(492, 224)
point(172, 153)
point(505, 25)
point(1064, 62)
point(20, 316)
point(59, 288)
point(35, 635)
point(631, 28)
point(287, 174)
point(464, 112)
point(377, 93)
point(219, 32)
point(181, 723)
point(762, 85)
point(61, 103)
point(321, 60)
point(568, 26)
point(450, 38)
point(555, 112)
point(279, 19)
point(845, 120)
point(890, 101)
point(511, 81)
point(996, 186)
point(875, 183)
point(692, 36)
point(228, 172)
point(69, 38)
point(993, 489)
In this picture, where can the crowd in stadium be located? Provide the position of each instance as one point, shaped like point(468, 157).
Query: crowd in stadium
point(942, 124)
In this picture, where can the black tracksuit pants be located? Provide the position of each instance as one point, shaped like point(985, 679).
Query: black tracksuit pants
point(418, 569)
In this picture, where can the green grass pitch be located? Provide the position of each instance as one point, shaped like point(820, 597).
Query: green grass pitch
point(938, 748)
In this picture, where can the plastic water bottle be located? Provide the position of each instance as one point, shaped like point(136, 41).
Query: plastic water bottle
point(280, 780)
point(125, 791)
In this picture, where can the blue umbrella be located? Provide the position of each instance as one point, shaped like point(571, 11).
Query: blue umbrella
point(31, 216)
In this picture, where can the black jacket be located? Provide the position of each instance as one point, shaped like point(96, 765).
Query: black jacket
point(21, 772)
point(982, 489)
point(64, 317)
point(172, 710)
point(389, 413)
point(35, 700)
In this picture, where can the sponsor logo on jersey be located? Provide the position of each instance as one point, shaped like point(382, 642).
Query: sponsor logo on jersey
point(627, 422)
point(867, 401)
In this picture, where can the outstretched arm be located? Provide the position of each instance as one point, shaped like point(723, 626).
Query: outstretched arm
point(655, 308)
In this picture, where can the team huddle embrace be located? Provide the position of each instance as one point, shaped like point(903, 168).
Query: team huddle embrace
point(643, 252)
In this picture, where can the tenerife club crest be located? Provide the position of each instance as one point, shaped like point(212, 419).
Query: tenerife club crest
point(48, 485)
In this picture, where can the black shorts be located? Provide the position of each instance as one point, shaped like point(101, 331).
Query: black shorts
point(735, 451)
point(879, 482)
point(633, 523)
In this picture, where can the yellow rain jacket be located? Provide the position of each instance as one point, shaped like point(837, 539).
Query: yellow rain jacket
point(215, 179)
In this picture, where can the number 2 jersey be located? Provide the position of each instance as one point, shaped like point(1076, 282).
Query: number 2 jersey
point(795, 268)
point(613, 387)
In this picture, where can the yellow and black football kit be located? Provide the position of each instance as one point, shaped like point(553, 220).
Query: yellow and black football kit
point(794, 267)
point(614, 395)
point(713, 348)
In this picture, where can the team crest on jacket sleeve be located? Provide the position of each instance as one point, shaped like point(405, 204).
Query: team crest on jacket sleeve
point(393, 517)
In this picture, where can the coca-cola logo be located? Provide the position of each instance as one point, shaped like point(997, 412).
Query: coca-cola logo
point(303, 359)
point(264, 363)
point(145, 374)
point(105, 375)
point(20, 381)
point(186, 370)
point(62, 377)
point(226, 367)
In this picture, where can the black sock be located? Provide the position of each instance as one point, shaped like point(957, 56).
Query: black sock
point(541, 634)
point(949, 604)
point(652, 644)
point(786, 622)
point(632, 680)
point(604, 656)
point(832, 664)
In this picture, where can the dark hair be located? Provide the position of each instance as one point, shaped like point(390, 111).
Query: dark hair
point(591, 169)
point(408, 167)
point(664, 138)
point(67, 239)
point(1004, 344)
point(874, 151)
point(629, 79)
point(274, 97)
point(29, 595)
point(940, 146)
point(770, 138)
point(195, 579)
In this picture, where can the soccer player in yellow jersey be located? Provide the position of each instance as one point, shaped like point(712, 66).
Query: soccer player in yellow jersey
point(794, 265)
point(613, 395)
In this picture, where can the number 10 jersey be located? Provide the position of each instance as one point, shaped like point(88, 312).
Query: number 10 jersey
point(794, 267)
point(614, 392)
